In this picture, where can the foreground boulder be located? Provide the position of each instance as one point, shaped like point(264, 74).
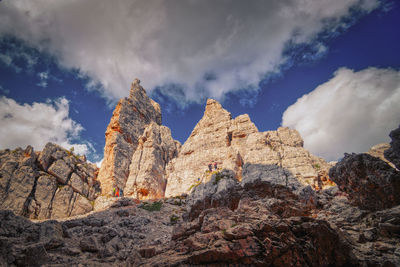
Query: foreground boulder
point(370, 182)
point(393, 153)
point(53, 183)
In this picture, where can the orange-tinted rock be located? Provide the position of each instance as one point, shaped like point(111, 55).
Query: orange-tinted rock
point(130, 118)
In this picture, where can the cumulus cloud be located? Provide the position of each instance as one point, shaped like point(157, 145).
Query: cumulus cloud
point(350, 113)
point(180, 43)
point(39, 123)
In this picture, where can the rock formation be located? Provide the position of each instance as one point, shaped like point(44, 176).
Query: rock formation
point(371, 179)
point(393, 153)
point(129, 120)
point(155, 149)
point(232, 143)
point(53, 183)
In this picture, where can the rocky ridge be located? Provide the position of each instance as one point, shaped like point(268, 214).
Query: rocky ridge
point(53, 183)
point(232, 143)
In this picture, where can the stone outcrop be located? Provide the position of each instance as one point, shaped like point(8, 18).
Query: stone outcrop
point(370, 182)
point(393, 153)
point(53, 183)
point(234, 142)
point(155, 149)
point(124, 135)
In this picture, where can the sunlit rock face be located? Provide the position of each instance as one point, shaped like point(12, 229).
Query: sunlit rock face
point(233, 142)
point(129, 120)
point(155, 149)
point(52, 183)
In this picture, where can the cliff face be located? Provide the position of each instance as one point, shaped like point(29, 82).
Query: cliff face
point(233, 142)
point(130, 118)
point(147, 170)
point(52, 183)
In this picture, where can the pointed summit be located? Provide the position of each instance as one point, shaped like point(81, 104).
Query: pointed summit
point(129, 120)
point(136, 88)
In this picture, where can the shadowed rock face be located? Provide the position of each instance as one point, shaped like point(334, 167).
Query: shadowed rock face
point(370, 182)
point(52, 183)
point(393, 153)
point(234, 142)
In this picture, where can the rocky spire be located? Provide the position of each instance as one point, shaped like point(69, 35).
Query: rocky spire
point(128, 122)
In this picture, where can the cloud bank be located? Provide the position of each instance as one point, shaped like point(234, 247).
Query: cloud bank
point(350, 113)
point(37, 124)
point(205, 47)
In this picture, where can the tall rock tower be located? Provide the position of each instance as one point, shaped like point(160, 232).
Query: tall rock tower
point(128, 122)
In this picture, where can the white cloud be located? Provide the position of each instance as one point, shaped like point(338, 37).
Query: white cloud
point(37, 124)
point(178, 42)
point(350, 113)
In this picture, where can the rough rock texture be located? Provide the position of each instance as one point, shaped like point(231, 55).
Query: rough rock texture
point(123, 235)
point(393, 153)
point(130, 118)
point(232, 143)
point(155, 149)
point(372, 236)
point(370, 182)
point(53, 183)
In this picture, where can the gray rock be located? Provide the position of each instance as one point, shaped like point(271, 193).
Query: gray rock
point(370, 182)
point(60, 170)
point(89, 244)
point(51, 234)
point(393, 153)
point(223, 190)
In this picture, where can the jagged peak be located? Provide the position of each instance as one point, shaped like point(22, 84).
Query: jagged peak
point(215, 109)
point(135, 88)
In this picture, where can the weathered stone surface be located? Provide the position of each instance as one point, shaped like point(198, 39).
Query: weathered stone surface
point(29, 181)
point(393, 153)
point(60, 170)
point(232, 143)
point(147, 171)
point(370, 182)
point(45, 190)
point(130, 118)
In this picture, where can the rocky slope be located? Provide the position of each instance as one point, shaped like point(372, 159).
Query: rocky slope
point(262, 220)
point(53, 183)
point(234, 142)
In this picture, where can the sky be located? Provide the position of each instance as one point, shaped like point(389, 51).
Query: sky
point(330, 69)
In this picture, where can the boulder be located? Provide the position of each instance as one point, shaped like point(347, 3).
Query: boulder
point(370, 182)
point(393, 153)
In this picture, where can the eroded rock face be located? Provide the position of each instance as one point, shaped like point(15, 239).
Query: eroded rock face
point(53, 183)
point(155, 149)
point(370, 182)
point(130, 118)
point(393, 153)
point(232, 143)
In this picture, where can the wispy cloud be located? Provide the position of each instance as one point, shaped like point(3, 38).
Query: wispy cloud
point(4, 91)
point(175, 42)
point(43, 77)
point(349, 113)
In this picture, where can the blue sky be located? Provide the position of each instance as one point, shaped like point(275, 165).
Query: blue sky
point(330, 70)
